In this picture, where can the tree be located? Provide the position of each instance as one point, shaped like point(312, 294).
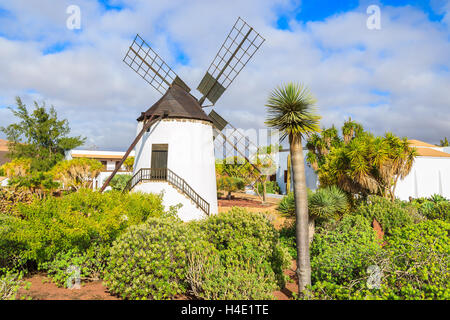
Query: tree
point(360, 163)
point(230, 184)
point(129, 163)
point(39, 136)
point(17, 168)
point(444, 142)
point(291, 110)
point(77, 173)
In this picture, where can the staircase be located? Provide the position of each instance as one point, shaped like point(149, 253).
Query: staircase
point(165, 174)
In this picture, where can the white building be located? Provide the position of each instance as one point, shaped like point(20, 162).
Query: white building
point(429, 175)
point(109, 159)
point(176, 155)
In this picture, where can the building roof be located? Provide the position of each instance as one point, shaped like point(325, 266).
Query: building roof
point(418, 143)
point(96, 154)
point(428, 152)
point(179, 104)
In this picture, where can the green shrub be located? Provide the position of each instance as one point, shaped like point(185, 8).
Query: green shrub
point(10, 283)
point(149, 261)
point(435, 210)
point(119, 182)
point(414, 265)
point(389, 214)
point(288, 239)
point(233, 274)
point(342, 255)
point(247, 239)
point(73, 222)
point(91, 264)
point(287, 204)
point(419, 262)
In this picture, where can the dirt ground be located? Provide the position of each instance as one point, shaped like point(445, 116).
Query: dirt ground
point(43, 289)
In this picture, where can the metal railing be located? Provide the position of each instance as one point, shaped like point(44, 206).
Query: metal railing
point(165, 174)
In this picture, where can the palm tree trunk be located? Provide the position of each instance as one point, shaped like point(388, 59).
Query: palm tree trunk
point(301, 214)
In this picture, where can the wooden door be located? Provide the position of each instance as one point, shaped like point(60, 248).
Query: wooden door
point(159, 161)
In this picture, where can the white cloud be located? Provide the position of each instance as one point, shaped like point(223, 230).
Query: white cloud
point(343, 62)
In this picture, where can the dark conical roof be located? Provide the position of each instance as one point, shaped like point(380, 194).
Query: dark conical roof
point(179, 104)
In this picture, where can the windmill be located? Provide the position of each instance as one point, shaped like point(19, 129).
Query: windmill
point(174, 143)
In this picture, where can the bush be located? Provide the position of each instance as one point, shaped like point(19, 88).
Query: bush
point(91, 265)
point(287, 204)
point(10, 283)
point(435, 210)
point(419, 258)
point(389, 214)
point(413, 265)
point(119, 182)
point(234, 255)
point(235, 274)
point(149, 261)
point(248, 243)
point(73, 222)
point(343, 255)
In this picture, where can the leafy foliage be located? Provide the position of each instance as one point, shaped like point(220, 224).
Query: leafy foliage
point(119, 182)
point(19, 167)
point(343, 254)
point(360, 163)
point(39, 136)
point(230, 184)
point(327, 202)
point(129, 163)
point(77, 173)
point(389, 214)
point(73, 222)
point(149, 261)
point(234, 255)
point(271, 187)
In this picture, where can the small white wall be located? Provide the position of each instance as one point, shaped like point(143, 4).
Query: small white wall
point(171, 197)
point(428, 176)
point(190, 154)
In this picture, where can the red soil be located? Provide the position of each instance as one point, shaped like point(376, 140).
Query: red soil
point(242, 202)
point(43, 289)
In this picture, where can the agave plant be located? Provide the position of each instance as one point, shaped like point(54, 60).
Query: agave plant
point(325, 203)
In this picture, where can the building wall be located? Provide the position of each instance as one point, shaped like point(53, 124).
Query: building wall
point(171, 197)
point(190, 153)
point(428, 176)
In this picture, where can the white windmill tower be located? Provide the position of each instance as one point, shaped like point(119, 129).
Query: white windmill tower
point(174, 143)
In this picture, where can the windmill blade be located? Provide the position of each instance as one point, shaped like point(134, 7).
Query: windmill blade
point(238, 48)
point(148, 64)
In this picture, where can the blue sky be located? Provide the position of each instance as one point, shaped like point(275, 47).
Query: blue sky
point(387, 79)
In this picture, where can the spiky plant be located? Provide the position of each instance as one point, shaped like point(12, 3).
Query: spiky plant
point(291, 110)
point(325, 203)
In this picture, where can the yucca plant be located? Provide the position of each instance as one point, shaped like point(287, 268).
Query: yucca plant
point(291, 111)
point(325, 203)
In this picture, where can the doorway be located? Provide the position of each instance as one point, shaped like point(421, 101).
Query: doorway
point(159, 161)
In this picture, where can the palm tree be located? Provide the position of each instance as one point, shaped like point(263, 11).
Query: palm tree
point(291, 110)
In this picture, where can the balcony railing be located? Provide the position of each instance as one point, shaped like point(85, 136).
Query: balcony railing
point(165, 174)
